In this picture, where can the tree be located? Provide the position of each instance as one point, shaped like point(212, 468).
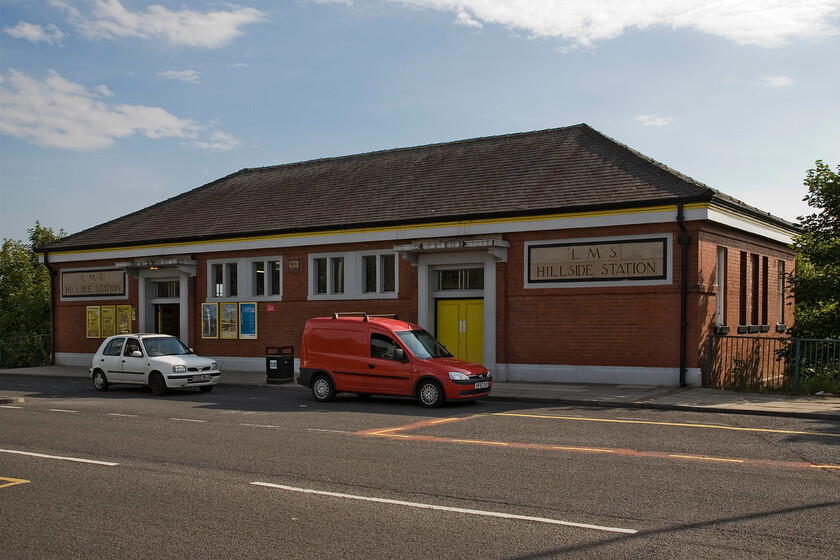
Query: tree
point(816, 280)
point(24, 299)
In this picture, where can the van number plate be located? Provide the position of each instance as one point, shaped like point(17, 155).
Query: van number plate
point(482, 384)
point(199, 378)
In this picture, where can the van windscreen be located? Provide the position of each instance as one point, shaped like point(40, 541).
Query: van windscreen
point(423, 345)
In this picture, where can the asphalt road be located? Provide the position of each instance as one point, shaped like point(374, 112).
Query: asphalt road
point(258, 472)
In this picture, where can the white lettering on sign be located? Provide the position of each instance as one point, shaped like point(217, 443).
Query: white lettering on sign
point(93, 283)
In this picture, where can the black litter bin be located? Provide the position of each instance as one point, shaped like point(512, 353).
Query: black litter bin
point(279, 364)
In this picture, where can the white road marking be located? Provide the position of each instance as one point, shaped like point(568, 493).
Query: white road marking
point(123, 415)
point(449, 509)
point(62, 410)
point(188, 420)
point(328, 431)
point(57, 457)
point(9, 406)
point(259, 425)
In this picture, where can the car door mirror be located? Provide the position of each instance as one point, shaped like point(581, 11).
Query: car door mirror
point(137, 354)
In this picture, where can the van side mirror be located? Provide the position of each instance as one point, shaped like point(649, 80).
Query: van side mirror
point(399, 355)
point(137, 354)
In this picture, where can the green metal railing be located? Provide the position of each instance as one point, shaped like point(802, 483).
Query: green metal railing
point(793, 365)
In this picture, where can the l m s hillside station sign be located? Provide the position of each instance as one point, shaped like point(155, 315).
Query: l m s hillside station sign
point(598, 261)
point(93, 283)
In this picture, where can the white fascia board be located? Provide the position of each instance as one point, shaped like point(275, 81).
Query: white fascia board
point(390, 234)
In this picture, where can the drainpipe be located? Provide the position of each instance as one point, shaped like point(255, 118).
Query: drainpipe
point(684, 241)
point(52, 307)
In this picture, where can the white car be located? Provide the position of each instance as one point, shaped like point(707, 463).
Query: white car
point(158, 360)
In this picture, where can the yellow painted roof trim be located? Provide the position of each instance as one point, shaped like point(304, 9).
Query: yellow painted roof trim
point(429, 225)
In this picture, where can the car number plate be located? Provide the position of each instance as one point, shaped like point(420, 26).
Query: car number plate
point(200, 378)
point(482, 384)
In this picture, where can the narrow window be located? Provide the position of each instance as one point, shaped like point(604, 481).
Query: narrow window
point(765, 280)
point(742, 300)
point(337, 267)
point(218, 281)
point(720, 312)
point(369, 262)
point(274, 273)
point(780, 294)
point(754, 290)
point(320, 275)
point(259, 278)
point(389, 272)
point(232, 285)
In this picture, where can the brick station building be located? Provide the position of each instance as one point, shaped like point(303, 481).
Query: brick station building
point(558, 255)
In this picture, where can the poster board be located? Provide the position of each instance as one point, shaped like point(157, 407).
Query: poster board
point(228, 321)
point(108, 321)
point(92, 317)
point(209, 320)
point(248, 321)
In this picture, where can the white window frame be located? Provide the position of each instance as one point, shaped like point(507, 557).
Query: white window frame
point(354, 276)
point(245, 279)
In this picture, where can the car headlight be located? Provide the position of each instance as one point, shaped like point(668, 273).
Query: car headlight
point(179, 369)
point(458, 376)
point(214, 365)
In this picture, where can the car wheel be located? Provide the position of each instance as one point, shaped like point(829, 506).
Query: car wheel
point(430, 394)
point(206, 388)
point(322, 389)
point(157, 384)
point(100, 382)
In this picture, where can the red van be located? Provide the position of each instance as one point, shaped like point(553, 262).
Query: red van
point(368, 354)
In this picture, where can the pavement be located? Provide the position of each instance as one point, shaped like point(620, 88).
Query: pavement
point(661, 397)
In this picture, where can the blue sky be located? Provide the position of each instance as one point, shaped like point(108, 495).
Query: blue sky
point(109, 106)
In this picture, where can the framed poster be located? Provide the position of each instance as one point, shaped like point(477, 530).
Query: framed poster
point(228, 323)
point(123, 319)
point(248, 321)
point(108, 321)
point(93, 321)
point(209, 320)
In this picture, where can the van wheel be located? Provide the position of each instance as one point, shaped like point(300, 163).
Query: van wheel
point(100, 382)
point(322, 389)
point(157, 384)
point(430, 394)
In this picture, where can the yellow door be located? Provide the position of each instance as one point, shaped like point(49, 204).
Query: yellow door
point(460, 327)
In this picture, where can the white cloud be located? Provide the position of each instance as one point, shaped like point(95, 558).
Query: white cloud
point(465, 19)
point(190, 76)
point(776, 81)
point(109, 19)
point(52, 35)
point(766, 23)
point(58, 113)
point(652, 120)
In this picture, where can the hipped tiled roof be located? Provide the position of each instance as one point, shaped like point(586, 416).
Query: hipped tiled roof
point(557, 170)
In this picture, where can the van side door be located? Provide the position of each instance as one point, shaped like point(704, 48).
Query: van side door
point(389, 368)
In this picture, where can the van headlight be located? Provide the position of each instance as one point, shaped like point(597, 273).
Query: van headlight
point(458, 376)
point(179, 369)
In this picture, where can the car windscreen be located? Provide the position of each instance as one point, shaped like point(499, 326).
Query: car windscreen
point(165, 346)
point(423, 345)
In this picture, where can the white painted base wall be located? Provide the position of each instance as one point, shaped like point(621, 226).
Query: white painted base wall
point(535, 373)
point(542, 373)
